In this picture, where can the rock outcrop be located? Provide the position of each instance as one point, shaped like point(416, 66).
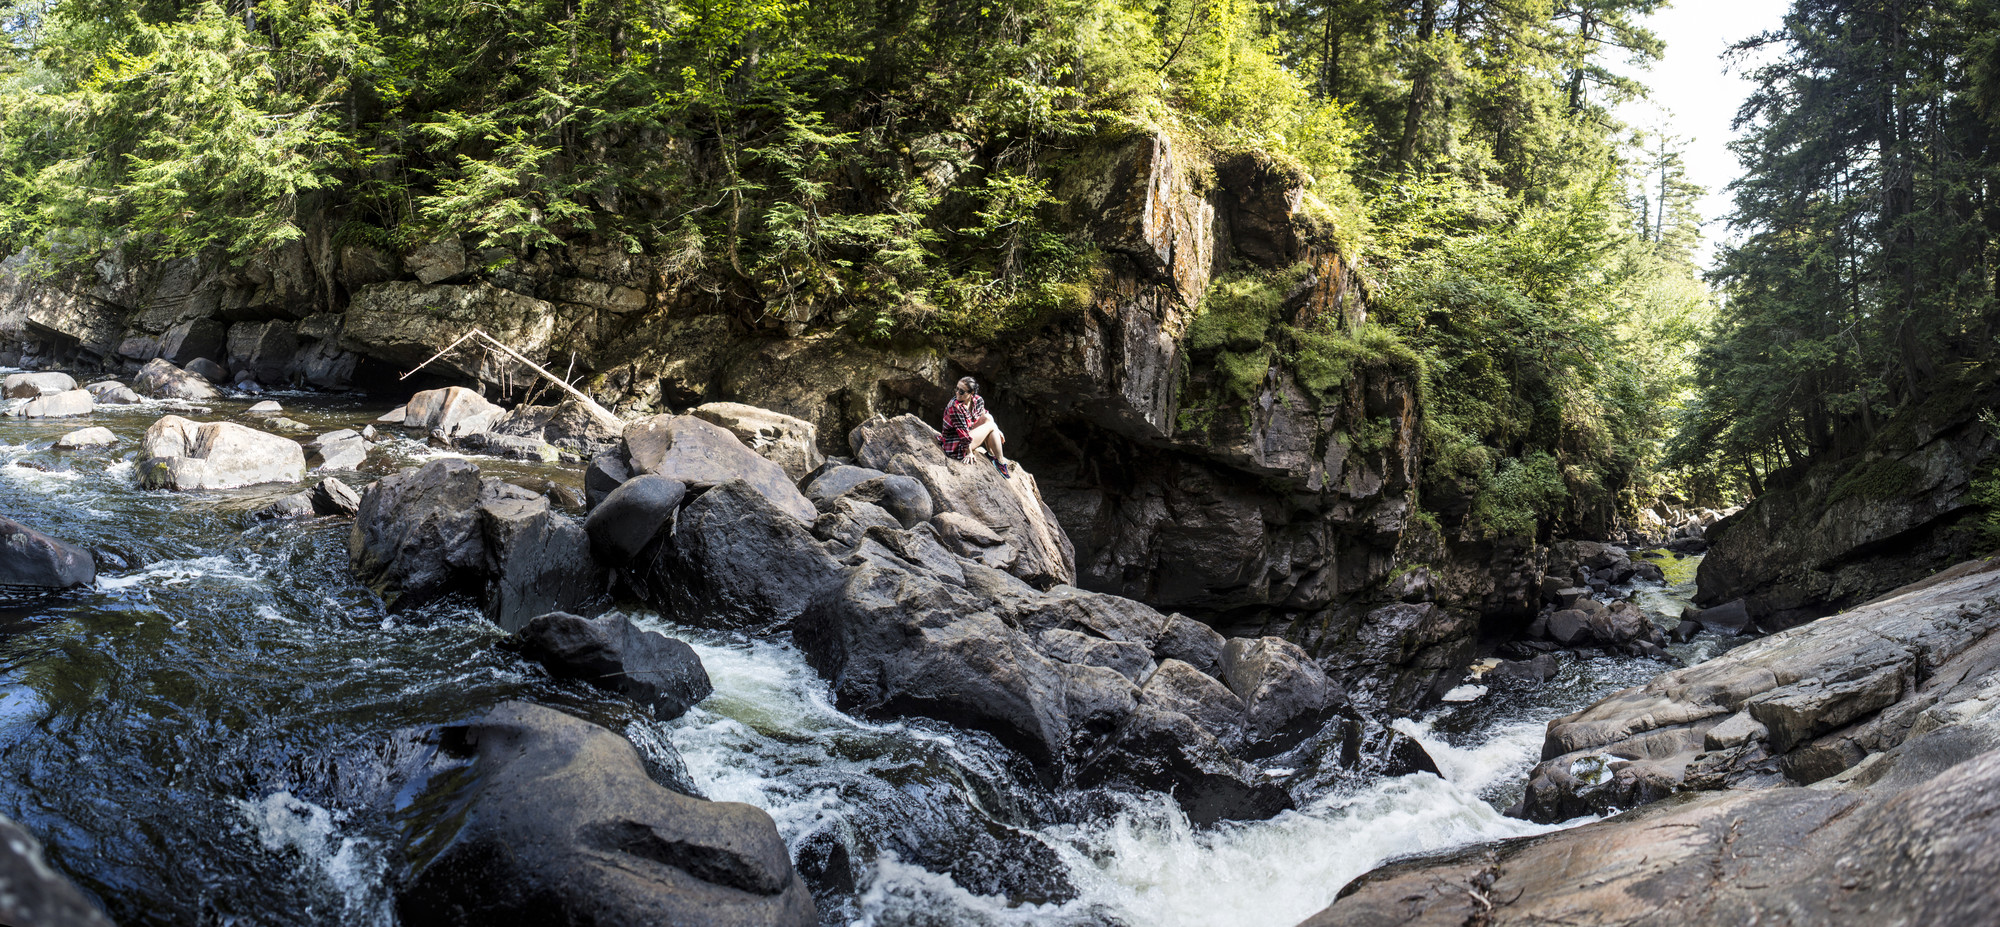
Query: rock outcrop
point(546, 819)
point(1837, 532)
point(187, 456)
point(974, 488)
point(1904, 839)
point(31, 561)
point(1797, 707)
point(1093, 688)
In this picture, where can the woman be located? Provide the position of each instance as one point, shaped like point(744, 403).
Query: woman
point(967, 425)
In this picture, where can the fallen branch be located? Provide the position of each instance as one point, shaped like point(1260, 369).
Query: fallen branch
point(603, 414)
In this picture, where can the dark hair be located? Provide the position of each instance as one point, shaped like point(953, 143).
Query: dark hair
point(968, 385)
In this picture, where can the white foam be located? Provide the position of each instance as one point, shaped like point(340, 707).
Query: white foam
point(180, 573)
point(353, 867)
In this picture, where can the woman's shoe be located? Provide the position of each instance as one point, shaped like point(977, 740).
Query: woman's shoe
point(1006, 469)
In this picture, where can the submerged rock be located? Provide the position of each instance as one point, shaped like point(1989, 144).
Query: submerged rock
point(33, 893)
point(31, 560)
point(610, 652)
point(553, 820)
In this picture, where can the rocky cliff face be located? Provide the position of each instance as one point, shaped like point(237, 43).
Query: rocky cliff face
point(1286, 503)
point(1842, 531)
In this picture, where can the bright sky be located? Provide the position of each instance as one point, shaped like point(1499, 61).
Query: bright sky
point(1695, 96)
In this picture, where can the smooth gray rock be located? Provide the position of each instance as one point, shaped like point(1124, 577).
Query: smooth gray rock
point(186, 456)
point(451, 412)
point(736, 561)
point(632, 516)
point(333, 497)
point(701, 454)
point(86, 437)
point(610, 652)
point(1191, 642)
point(548, 819)
point(345, 449)
point(267, 407)
point(1286, 696)
point(417, 534)
point(162, 380)
point(789, 442)
point(208, 370)
point(67, 404)
point(537, 561)
point(33, 893)
point(31, 559)
point(32, 385)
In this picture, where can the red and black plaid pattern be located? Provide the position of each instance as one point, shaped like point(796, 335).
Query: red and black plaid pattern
point(958, 419)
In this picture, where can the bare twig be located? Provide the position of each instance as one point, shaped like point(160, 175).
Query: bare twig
point(599, 411)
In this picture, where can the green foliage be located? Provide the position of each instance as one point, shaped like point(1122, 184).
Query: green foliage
point(1881, 478)
point(1518, 494)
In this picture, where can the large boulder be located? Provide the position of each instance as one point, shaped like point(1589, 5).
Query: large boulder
point(1286, 696)
point(610, 652)
point(553, 820)
point(734, 560)
point(451, 412)
point(66, 404)
point(537, 560)
point(162, 380)
point(33, 893)
point(417, 534)
point(894, 643)
point(31, 560)
point(568, 425)
point(113, 393)
point(700, 454)
point(901, 496)
point(183, 455)
point(789, 442)
point(1798, 706)
point(31, 385)
point(905, 446)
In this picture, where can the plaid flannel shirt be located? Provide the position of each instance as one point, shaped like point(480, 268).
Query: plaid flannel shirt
point(958, 419)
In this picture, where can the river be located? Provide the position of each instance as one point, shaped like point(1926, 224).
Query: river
point(219, 732)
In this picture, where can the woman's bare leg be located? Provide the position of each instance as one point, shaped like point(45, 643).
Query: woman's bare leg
point(996, 445)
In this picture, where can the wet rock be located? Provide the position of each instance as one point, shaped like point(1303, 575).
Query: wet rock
point(552, 820)
point(32, 560)
point(510, 446)
point(57, 405)
point(1523, 674)
point(32, 892)
point(1823, 697)
point(905, 446)
point(1122, 657)
point(607, 471)
point(86, 437)
point(735, 560)
point(333, 497)
point(451, 412)
point(267, 407)
point(162, 380)
point(182, 455)
point(1286, 696)
point(296, 505)
point(894, 643)
point(1405, 656)
point(113, 393)
point(1166, 751)
point(1843, 853)
point(610, 652)
point(1732, 617)
point(32, 385)
point(632, 515)
point(1686, 630)
point(1569, 626)
point(1191, 642)
point(537, 560)
point(416, 536)
point(208, 370)
point(345, 449)
point(700, 454)
point(789, 442)
point(1179, 687)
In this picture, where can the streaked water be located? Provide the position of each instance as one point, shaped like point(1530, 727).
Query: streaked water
point(214, 735)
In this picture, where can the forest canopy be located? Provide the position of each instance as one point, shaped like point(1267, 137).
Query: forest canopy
point(1531, 258)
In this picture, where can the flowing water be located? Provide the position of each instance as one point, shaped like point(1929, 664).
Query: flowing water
point(218, 731)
